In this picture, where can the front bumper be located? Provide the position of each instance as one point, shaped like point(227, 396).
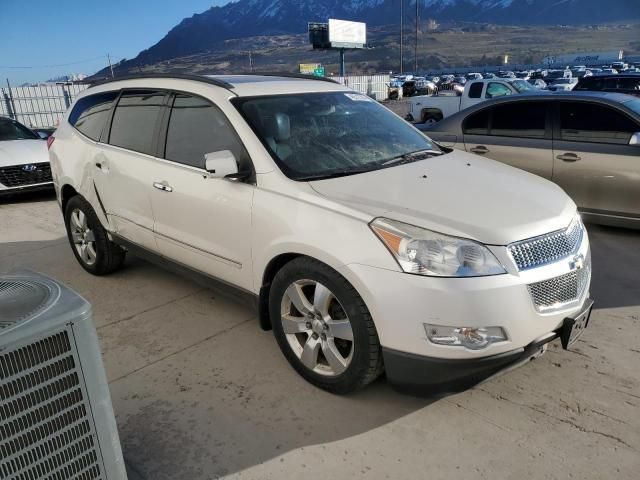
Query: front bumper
point(417, 374)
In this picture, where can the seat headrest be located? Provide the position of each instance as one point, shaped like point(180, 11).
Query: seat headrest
point(278, 127)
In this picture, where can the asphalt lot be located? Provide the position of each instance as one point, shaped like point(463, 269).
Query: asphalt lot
point(201, 392)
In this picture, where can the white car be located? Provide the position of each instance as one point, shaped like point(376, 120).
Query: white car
point(24, 162)
point(563, 84)
point(365, 246)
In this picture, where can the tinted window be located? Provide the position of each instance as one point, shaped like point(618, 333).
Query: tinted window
point(197, 127)
point(90, 114)
point(522, 119)
point(629, 84)
point(497, 90)
point(134, 120)
point(586, 122)
point(11, 130)
point(477, 124)
point(475, 91)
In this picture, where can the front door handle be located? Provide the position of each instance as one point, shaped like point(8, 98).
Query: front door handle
point(480, 150)
point(164, 186)
point(568, 157)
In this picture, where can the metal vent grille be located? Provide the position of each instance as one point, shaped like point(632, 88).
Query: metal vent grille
point(20, 300)
point(561, 292)
point(19, 176)
point(46, 431)
point(538, 251)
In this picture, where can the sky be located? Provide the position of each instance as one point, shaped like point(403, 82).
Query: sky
point(43, 34)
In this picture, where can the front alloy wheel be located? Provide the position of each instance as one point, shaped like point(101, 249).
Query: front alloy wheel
point(323, 326)
point(317, 327)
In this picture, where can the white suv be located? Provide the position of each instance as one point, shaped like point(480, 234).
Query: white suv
point(366, 246)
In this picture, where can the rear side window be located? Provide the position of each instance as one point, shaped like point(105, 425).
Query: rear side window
point(497, 90)
point(475, 90)
point(197, 127)
point(586, 122)
point(522, 119)
point(477, 124)
point(90, 114)
point(134, 120)
point(629, 84)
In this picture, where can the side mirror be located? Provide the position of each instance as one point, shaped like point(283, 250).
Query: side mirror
point(635, 139)
point(221, 164)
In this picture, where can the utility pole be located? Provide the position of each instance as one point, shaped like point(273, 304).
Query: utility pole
point(401, 36)
point(250, 63)
point(415, 54)
point(110, 66)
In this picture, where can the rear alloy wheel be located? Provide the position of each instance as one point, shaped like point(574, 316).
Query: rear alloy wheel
point(323, 326)
point(88, 238)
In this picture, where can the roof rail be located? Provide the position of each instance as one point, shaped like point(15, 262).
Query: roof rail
point(177, 76)
point(303, 76)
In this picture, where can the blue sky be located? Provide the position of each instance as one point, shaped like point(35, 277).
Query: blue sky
point(39, 33)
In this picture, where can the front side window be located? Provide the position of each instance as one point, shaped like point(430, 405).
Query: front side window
point(497, 90)
point(90, 114)
point(477, 123)
point(328, 134)
point(12, 130)
point(587, 122)
point(134, 120)
point(522, 119)
point(196, 127)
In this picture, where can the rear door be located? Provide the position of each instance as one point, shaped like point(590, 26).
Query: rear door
point(516, 133)
point(125, 164)
point(202, 222)
point(593, 160)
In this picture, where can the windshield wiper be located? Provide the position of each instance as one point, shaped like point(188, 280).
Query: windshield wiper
point(412, 157)
point(337, 173)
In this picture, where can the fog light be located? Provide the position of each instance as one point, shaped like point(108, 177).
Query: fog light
point(468, 337)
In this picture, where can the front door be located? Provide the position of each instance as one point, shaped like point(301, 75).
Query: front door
point(594, 162)
point(202, 222)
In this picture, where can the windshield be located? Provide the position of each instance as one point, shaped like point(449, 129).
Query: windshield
point(322, 135)
point(12, 130)
point(522, 86)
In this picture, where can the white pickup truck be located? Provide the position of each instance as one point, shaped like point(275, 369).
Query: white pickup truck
point(433, 108)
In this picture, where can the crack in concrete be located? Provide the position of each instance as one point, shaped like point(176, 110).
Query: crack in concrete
point(221, 332)
point(566, 421)
point(150, 309)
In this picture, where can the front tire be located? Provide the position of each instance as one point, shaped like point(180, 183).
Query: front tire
point(323, 327)
point(89, 241)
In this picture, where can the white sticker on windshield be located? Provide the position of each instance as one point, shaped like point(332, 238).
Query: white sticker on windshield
point(358, 97)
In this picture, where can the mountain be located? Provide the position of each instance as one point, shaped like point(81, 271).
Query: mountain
point(247, 18)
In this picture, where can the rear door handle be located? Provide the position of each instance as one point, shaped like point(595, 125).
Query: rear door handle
point(568, 157)
point(164, 186)
point(480, 150)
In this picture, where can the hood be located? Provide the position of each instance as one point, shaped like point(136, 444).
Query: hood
point(457, 194)
point(20, 152)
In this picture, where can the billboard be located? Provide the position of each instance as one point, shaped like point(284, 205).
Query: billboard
point(312, 69)
point(584, 58)
point(345, 34)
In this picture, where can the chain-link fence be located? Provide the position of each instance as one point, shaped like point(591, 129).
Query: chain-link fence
point(40, 106)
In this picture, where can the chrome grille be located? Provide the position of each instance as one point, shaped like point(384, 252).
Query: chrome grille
point(561, 292)
point(538, 251)
point(18, 176)
point(46, 429)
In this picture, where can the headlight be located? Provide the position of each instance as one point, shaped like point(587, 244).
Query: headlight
point(424, 252)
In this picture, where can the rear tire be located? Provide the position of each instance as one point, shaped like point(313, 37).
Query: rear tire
point(328, 317)
point(88, 239)
point(431, 118)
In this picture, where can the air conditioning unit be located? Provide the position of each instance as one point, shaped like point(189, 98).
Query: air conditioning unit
point(56, 418)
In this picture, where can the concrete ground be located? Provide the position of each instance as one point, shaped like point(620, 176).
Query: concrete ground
point(200, 392)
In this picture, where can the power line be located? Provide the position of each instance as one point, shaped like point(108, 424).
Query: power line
point(53, 66)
